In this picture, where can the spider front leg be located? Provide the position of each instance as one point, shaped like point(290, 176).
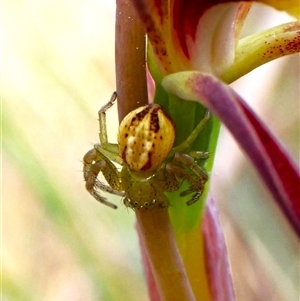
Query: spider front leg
point(102, 125)
point(108, 150)
point(93, 164)
point(185, 167)
point(186, 144)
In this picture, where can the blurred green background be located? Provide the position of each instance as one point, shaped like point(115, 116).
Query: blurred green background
point(60, 244)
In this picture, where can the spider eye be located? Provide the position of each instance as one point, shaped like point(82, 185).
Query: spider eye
point(146, 135)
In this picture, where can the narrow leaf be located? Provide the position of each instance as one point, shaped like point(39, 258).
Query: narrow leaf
point(270, 159)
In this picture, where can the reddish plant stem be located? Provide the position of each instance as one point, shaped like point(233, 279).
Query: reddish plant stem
point(154, 225)
point(130, 56)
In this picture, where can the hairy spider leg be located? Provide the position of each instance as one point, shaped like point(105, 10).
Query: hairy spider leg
point(181, 162)
point(94, 163)
point(199, 155)
point(170, 182)
point(192, 137)
point(195, 185)
point(109, 154)
point(109, 150)
point(103, 128)
point(189, 161)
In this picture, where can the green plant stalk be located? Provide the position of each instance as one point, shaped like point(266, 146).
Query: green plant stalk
point(154, 225)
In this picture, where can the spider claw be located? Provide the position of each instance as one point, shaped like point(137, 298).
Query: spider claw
point(102, 199)
point(195, 198)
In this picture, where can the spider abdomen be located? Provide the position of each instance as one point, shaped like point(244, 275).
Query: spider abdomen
point(146, 136)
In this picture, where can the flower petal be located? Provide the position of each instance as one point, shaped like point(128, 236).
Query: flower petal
point(154, 15)
point(213, 48)
point(189, 35)
point(262, 47)
point(290, 6)
point(219, 274)
point(277, 171)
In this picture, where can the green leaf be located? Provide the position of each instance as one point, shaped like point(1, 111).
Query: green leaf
point(186, 115)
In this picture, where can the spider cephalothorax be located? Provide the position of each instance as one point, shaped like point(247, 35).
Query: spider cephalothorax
point(150, 166)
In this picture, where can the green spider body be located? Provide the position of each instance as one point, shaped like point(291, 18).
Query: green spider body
point(150, 166)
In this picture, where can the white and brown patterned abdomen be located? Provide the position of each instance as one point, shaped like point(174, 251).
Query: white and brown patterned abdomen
point(146, 135)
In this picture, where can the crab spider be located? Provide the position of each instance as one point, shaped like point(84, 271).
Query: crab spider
point(150, 164)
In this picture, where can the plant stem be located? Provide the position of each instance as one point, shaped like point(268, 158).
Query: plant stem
point(166, 264)
point(154, 225)
point(130, 59)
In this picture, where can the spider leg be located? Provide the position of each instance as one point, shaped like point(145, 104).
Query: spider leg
point(102, 123)
point(106, 148)
point(100, 198)
point(93, 164)
point(199, 155)
point(184, 167)
point(107, 188)
point(111, 152)
point(168, 180)
point(189, 162)
point(192, 137)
